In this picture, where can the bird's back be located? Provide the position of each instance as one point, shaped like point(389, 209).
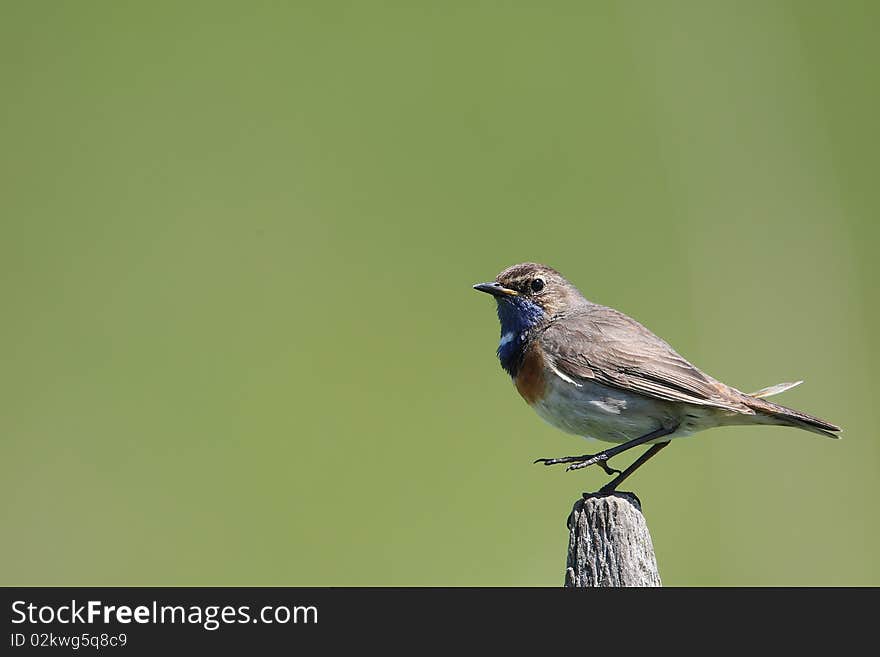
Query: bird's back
point(604, 345)
point(596, 344)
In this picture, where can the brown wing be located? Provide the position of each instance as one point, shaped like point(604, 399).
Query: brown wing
point(604, 345)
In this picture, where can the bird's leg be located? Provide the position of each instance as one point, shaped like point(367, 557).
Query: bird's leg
point(585, 460)
point(608, 453)
point(614, 483)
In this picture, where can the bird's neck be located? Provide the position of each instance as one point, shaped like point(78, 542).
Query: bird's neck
point(520, 320)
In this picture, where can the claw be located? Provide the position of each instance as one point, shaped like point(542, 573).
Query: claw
point(565, 459)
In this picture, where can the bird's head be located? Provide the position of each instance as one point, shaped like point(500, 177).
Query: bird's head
point(537, 291)
point(529, 296)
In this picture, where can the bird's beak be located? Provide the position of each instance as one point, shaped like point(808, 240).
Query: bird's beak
point(496, 290)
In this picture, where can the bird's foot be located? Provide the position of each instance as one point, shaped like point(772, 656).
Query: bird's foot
point(600, 459)
point(563, 459)
point(578, 462)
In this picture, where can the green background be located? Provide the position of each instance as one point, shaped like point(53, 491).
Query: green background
point(238, 339)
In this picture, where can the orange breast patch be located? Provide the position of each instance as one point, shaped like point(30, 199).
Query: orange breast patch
point(529, 380)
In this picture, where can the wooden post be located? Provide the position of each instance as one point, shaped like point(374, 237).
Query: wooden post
point(609, 543)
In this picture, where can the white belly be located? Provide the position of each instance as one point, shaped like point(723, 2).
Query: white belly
point(592, 410)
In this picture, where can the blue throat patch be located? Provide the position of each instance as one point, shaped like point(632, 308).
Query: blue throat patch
point(518, 317)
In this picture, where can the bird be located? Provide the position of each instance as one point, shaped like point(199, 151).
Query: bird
point(592, 371)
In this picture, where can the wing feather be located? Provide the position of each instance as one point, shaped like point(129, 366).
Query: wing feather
point(604, 345)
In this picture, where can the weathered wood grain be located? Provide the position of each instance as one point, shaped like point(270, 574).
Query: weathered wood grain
point(609, 543)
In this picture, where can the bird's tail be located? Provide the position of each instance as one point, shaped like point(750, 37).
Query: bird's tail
point(788, 416)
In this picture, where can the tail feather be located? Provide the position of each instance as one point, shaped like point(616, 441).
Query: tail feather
point(769, 391)
point(788, 416)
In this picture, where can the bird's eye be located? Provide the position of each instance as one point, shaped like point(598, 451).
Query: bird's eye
point(537, 284)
